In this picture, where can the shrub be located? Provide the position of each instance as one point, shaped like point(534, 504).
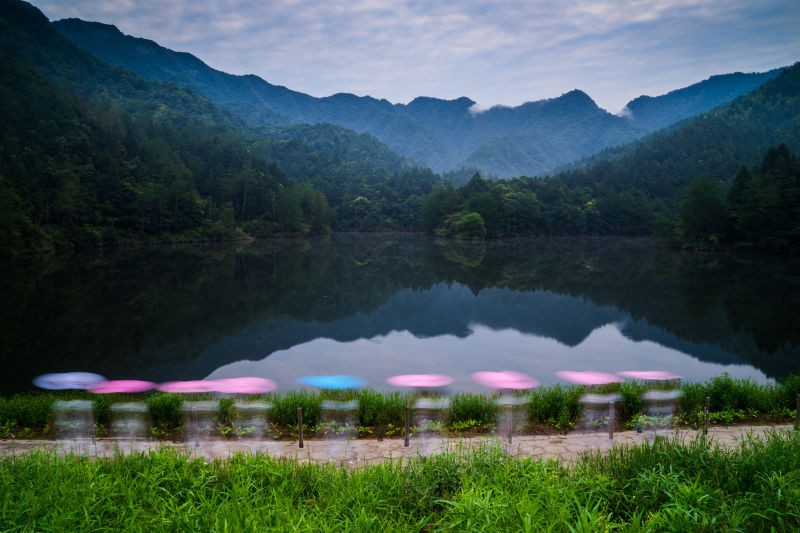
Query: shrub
point(27, 410)
point(227, 411)
point(557, 405)
point(375, 408)
point(284, 408)
point(788, 390)
point(165, 410)
point(632, 404)
point(472, 407)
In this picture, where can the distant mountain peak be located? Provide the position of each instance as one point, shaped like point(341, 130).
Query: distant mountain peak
point(96, 26)
point(428, 101)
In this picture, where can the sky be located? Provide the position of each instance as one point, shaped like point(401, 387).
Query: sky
point(496, 52)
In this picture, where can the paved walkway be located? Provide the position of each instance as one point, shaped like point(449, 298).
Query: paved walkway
point(566, 448)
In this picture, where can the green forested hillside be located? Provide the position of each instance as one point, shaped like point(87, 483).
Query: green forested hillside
point(644, 184)
point(91, 154)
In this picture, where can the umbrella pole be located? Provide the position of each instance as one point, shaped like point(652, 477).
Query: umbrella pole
point(611, 420)
point(510, 420)
point(196, 427)
point(300, 426)
point(408, 426)
point(91, 424)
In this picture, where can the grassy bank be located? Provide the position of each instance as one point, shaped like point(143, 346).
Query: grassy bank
point(664, 486)
point(377, 414)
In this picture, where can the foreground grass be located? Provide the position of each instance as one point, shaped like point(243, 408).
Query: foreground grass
point(665, 486)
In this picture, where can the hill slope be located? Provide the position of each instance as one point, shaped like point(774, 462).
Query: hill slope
point(91, 154)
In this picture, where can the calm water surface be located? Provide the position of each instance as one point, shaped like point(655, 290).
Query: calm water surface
point(381, 305)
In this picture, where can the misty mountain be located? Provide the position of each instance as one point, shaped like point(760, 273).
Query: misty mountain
point(654, 113)
point(531, 139)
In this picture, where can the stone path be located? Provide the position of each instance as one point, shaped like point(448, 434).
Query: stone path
point(566, 448)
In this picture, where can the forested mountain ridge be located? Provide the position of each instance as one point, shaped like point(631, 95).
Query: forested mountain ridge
point(531, 139)
point(646, 185)
point(93, 154)
point(650, 113)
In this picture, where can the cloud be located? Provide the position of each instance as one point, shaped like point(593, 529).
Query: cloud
point(497, 52)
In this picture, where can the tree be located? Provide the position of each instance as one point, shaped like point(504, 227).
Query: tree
point(703, 213)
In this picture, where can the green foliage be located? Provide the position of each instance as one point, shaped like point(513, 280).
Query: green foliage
point(668, 485)
point(165, 410)
point(702, 213)
point(380, 408)
point(789, 391)
point(558, 405)
point(132, 160)
point(285, 404)
point(477, 408)
point(27, 410)
point(463, 226)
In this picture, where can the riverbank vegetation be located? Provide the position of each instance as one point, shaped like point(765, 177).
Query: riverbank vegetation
point(667, 485)
point(367, 413)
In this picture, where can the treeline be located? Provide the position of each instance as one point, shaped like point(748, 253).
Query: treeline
point(759, 210)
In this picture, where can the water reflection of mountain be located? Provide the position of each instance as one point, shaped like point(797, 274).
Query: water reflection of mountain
point(179, 312)
point(443, 310)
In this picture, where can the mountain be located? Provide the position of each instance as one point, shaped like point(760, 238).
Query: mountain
point(91, 153)
point(638, 188)
point(531, 139)
point(650, 176)
point(654, 113)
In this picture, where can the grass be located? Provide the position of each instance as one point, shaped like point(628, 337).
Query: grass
point(669, 485)
point(382, 414)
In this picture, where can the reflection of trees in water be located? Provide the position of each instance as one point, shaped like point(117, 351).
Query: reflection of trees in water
point(134, 307)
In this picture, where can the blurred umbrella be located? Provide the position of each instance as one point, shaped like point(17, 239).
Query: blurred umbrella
point(649, 375)
point(505, 379)
point(123, 386)
point(68, 380)
point(420, 380)
point(336, 381)
point(588, 377)
point(245, 385)
point(187, 387)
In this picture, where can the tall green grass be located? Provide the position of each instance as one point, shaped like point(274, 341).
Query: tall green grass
point(669, 485)
point(558, 405)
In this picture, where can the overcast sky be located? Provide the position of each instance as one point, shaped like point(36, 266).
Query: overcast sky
point(493, 51)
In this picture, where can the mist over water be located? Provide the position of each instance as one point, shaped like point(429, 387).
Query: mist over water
point(377, 306)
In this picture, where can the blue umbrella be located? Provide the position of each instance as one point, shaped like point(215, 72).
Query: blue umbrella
point(336, 381)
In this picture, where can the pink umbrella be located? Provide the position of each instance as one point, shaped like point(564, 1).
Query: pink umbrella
point(506, 379)
point(651, 375)
point(122, 386)
point(185, 387)
point(588, 377)
point(245, 385)
point(420, 380)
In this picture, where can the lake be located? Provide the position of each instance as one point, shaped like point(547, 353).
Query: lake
point(380, 305)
